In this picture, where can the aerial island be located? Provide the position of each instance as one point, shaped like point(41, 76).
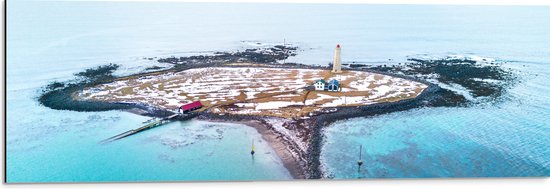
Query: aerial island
point(288, 103)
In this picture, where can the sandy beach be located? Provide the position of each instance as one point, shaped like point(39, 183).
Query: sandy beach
point(286, 151)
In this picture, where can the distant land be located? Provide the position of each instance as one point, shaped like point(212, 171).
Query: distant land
point(288, 103)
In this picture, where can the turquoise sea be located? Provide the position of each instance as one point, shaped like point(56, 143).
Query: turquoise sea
point(51, 40)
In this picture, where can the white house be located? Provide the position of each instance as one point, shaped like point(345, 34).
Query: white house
point(320, 85)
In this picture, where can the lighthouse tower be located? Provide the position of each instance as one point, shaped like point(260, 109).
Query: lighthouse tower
point(337, 63)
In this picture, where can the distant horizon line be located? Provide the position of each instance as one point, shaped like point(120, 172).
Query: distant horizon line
point(381, 2)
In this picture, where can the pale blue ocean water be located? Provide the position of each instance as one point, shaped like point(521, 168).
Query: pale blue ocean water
point(50, 41)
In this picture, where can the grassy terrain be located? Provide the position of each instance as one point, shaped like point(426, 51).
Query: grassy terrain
point(254, 90)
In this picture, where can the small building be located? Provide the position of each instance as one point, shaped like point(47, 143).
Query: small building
point(320, 85)
point(333, 85)
point(190, 107)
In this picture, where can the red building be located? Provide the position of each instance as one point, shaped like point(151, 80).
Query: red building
point(190, 107)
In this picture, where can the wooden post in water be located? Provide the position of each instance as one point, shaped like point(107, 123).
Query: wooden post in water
point(252, 151)
point(360, 161)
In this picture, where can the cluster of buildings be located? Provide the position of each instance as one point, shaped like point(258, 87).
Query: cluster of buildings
point(319, 85)
point(322, 85)
point(332, 85)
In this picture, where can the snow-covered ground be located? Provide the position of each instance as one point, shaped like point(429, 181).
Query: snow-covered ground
point(254, 90)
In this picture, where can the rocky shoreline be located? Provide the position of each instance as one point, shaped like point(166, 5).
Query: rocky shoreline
point(302, 163)
point(294, 160)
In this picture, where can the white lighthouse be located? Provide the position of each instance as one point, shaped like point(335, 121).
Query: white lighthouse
point(337, 62)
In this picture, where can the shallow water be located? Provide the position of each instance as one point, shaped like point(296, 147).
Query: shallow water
point(506, 139)
point(438, 142)
point(63, 146)
point(50, 41)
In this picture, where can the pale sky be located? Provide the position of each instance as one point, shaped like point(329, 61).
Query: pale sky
point(459, 2)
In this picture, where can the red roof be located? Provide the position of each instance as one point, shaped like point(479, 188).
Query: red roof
point(196, 104)
point(338, 46)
